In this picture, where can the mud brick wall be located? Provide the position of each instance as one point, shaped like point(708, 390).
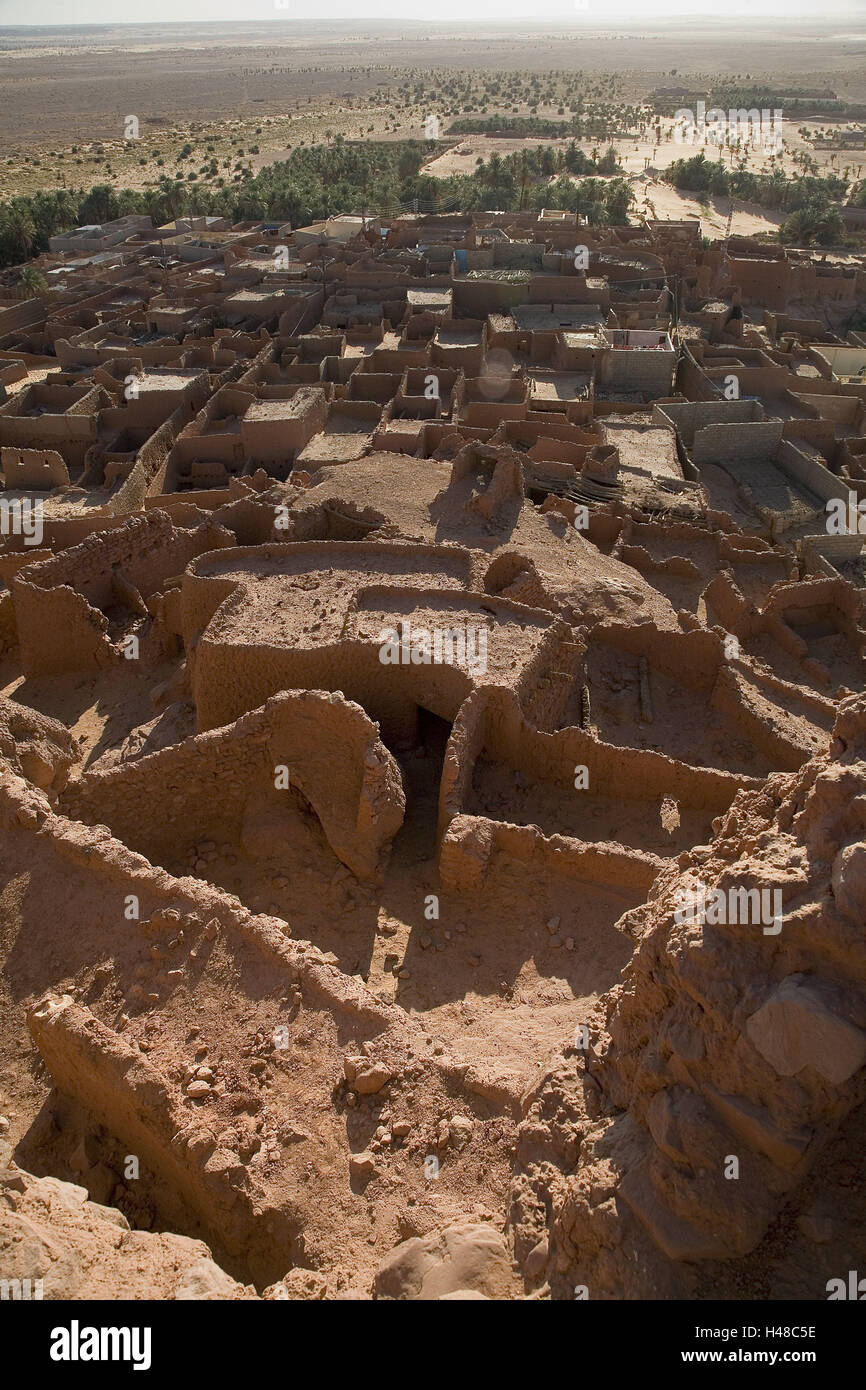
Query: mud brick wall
point(567, 289)
point(148, 549)
point(826, 553)
point(177, 796)
point(690, 416)
point(24, 314)
point(679, 565)
point(830, 408)
point(478, 298)
point(819, 434)
point(33, 468)
point(752, 440)
point(693, 658)
point(279, 436)
point(825, 282)
point(150, 463)
point(631, 870)
point(637, 370)
point(230, 676)
point(228, 680)
point(470, 843)
point(769, 283)
point(57, 601)
point(725, 601)
point(200, 788)
point(71, 434)
point(457, 567)
point(738, 698)
point(481, 414)
point(812, 597)
point(810, 472)
point(492, 721)
point(548, 677)
point(58, 630)
point(75, 850)
point(10, 372)
point(514, 254)
point(634, 774)
point(460, 357)
point(398, 359)
point(756, 378)
point(780, 324)
point(461, 754)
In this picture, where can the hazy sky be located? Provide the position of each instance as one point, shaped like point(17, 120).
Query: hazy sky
point(598, 12)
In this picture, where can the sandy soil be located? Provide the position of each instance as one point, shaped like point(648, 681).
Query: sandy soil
point(276, 86)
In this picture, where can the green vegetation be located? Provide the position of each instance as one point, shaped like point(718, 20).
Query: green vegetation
point(793, 101)
point(518, 127)
point(808, 199)
point(319, 181)
point(322, 180)
point(731, 94)
point(32, 280)
point(701, 175)
point(816, 224)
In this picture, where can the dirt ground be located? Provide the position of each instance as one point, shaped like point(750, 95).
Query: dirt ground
point(279, 85)
point(474, 1000)
point(508, 984)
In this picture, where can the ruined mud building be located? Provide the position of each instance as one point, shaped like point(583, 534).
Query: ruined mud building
point(375, 966)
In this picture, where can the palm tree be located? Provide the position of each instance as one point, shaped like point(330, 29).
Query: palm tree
point(33, 280)
point(100, 205)
point(18, 232)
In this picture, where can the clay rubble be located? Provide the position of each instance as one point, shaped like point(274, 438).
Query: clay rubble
point(360, 746)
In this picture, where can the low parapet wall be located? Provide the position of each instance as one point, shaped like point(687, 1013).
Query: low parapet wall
point(469, 844)
point(58, 601)
point(491, 721)
point(199, 788)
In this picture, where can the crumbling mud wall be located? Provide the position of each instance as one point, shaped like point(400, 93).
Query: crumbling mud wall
point(37, 748)
point(60, 1245)
point(119, 1085)
point(59, 602)
point(148, 466)
point(243, 642)
point(219, 1158)
point(581, 1004)
point(206, 584)
point(492, 721)
point(41, 469)
point(780, 720)
point(468, 847)
point(789, 610)
point(733, 1050)
point(317, 743)
point(92, 859)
